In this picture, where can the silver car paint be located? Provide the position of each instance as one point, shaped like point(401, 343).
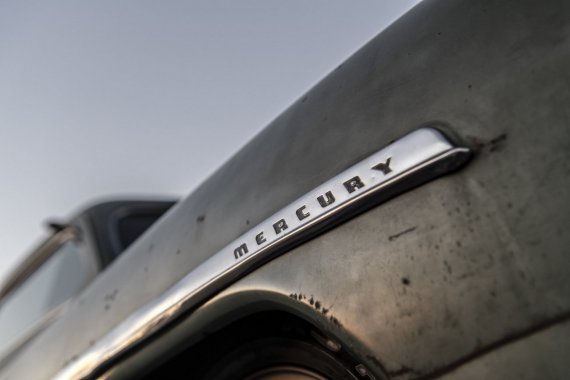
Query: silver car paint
point(414, 159)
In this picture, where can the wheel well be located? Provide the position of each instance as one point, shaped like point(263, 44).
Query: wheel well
point(196, 360)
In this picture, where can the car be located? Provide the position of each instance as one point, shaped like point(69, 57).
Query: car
point(404, 219)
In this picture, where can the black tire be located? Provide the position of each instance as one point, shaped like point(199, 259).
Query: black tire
point(268, 357)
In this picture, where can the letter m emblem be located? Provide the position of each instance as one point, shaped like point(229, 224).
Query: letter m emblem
point(240, 251)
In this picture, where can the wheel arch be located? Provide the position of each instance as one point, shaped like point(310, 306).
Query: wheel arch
point(242, 313)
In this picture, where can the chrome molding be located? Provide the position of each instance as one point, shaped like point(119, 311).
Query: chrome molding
point(416, 158)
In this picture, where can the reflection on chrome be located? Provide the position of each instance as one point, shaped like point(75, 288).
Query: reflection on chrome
point(416, 158)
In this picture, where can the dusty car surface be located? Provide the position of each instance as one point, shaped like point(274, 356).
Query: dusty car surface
point(404, 219)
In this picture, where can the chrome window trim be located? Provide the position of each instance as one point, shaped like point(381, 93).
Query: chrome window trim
point(31, 264)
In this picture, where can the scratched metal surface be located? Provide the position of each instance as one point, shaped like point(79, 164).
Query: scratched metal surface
point(415, 158)
point(430, 278)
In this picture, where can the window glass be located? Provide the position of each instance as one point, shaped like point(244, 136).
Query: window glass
point(62, 276)
point(132, 226)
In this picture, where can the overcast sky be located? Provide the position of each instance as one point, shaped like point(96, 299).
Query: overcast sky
point(143, 97)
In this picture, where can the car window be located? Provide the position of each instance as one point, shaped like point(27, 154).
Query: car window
point(59, 278)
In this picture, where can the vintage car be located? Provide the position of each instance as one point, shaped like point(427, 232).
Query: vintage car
point(405, 219)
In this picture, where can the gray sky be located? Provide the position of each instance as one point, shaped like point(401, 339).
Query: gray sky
point(149, 97)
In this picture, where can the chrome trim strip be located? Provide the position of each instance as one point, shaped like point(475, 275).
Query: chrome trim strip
point(416, 158)
point(40, 255)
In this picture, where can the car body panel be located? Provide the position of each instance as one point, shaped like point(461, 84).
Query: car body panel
point(547, 348)
point(425, 280)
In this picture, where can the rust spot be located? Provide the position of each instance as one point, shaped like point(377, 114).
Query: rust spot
point(395, 236)
point(447, 267)
point(496, 143)
point(111, 296)
point(318, 305)
point(335, 321)
point(492, 145)
point(201, 218)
